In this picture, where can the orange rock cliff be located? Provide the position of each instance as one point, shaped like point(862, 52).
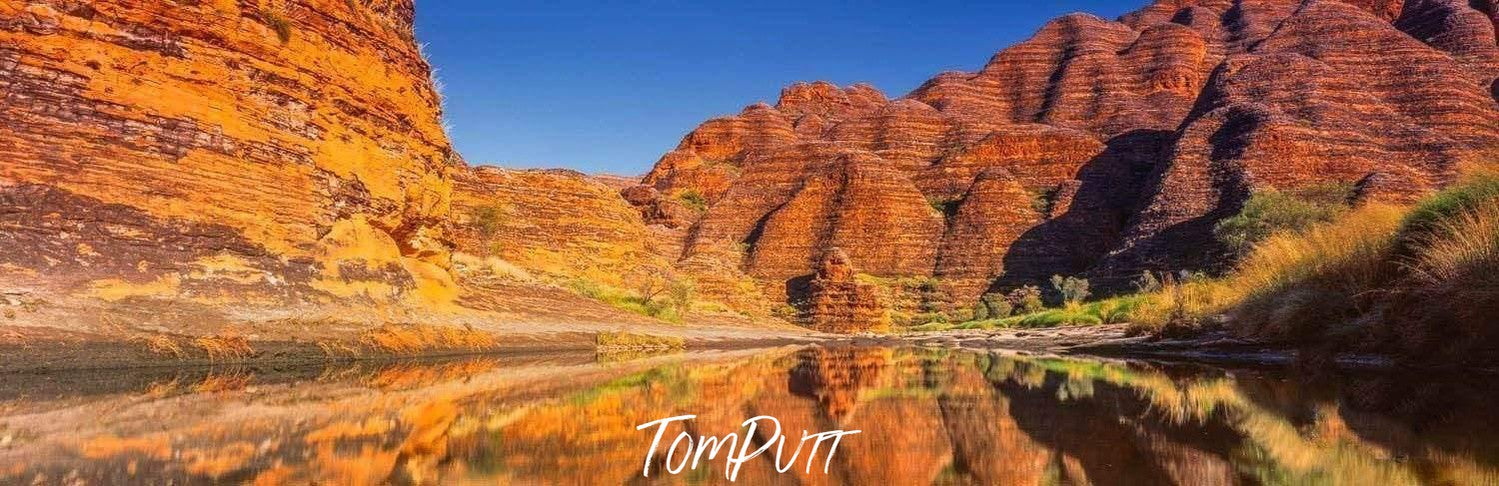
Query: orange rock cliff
point(292, 151)
point(1096, 147)
point(285, 155)
point(289, 149)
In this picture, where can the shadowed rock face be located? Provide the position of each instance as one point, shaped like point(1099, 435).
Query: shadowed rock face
point(1100, 147)
point(307, 131)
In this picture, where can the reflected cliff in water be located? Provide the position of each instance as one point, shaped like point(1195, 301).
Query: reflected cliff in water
point(928, 416)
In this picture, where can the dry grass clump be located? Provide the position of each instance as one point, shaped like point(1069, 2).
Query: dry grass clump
point(415, 338)
point(161, 345)
point(472, 266)
point(278, 24)
point(225, 347)
point(1422, 282)
point(337, 349)
point(1463, 248)
point(1287, 280)
point(624, 340)
point(1445, 309)
point(225, 382)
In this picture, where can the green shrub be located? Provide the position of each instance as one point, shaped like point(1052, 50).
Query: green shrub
point(992, 306)
point(487, 220)
point(786, 311)
point(681, 294)
point(1271, 211)
point(1072, 289)
point(1442, 206)
point(693, 200)
point(945, 207)
point(1045, 201)
point(1026, 299)
point(998, 306)
point(277, 23)
point(627, 300)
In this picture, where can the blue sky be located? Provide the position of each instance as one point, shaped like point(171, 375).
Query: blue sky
point(608, 88)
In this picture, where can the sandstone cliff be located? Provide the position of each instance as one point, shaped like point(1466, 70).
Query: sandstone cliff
point(1099, 147)
point(290, 149)
point(183, 167)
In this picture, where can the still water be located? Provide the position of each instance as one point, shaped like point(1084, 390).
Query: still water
point(926, 416)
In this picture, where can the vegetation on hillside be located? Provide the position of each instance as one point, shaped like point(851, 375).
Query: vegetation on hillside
point(655, 291)
point(1422, 281)
point(1270, 212)
point(277, 24)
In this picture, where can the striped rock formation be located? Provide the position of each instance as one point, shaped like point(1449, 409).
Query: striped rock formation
point(837, 301)
point(193, 148)
point(1096, 147)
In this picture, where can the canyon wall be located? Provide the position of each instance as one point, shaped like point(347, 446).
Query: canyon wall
point(1096, 147)
point(283, 152)
point(290, 149)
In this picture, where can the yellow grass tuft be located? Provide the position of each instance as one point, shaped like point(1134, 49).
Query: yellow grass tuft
point(1344, 257)
point(161, 345)
point(225, 347)
point(624, 340)
point(1351, 249)
point(337, 349)
point(225, 382)
point(415, 338)
point(1457, 248)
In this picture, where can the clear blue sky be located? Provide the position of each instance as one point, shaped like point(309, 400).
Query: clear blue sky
point(609, 87)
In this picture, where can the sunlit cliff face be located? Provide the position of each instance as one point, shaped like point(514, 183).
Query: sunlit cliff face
point(221, 147)
point(1099, 146)
point(925, 415)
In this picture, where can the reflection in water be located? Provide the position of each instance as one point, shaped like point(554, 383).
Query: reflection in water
point(927, 415)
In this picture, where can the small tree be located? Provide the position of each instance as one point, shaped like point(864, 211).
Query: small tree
point(992, 306)
point(651, 281)
point(487, 220)
point(1073, 289)
point(1027, 299)
point(681, 293)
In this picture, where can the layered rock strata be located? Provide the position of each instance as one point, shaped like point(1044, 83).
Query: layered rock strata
point(1096, 147)
point(551, 222)
point(836, 301)
point(294, 146)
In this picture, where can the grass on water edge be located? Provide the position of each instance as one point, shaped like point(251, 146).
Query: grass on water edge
point(1331, 279)
point(1107, 311)
point(1415, 278)
point(625, 340)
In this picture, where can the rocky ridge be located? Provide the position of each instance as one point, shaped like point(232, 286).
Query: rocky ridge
point(197, 167)
point(1096, 147)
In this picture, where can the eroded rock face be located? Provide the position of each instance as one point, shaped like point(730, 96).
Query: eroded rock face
point(256, 132)
point(837, 301)
point(1098, 147)
point(557, 222)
